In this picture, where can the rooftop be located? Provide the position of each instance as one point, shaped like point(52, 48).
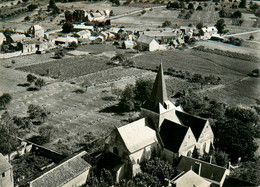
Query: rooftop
point(4, 164)
point(137, 135)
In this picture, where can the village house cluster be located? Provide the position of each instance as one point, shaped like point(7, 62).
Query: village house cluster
point(164, 130)
point(94, 27)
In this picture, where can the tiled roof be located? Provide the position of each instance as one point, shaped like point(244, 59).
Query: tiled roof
point(18, 37)
point(191, 179)
point(159, 33)
point(172, 135)
point(208, 171)
point(137, 135)
point(4, 164)
point(62, 173)
point(195, 123)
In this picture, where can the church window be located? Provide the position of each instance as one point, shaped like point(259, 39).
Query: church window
point(204, 147)
point(189, 154)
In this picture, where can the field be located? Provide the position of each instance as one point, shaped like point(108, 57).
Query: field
point(237, 87)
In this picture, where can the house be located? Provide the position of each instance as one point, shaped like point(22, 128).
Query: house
point(162, 36)
point(6, 173)
point(36, 31)
point(128, 44)
point(147, 43)
point(211, 172)
point(2, 38)
point(82, 27)
point(85, 34)
point(65, 41)
point(189, 179)
point(27, 46)
point(208, 32)
point(15, 38)
point(72, 172)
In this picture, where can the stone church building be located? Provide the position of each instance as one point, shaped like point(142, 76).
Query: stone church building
point(163, 128)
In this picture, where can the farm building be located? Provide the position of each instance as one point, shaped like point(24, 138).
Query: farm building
point(83, 34)
point(208, 32)
point(163, 128)
point(6, 173)
point(188, 179)
point(82, 27)
point(211, 172)
point(161, 36)
point(65, 41)
point(36, 31)
point(72, 172)
point(147, 43)
point(128, 44)
point(14, 38)
point(27, 46)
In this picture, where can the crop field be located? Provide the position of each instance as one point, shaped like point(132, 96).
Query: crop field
point(230, 70)
point(69, 67)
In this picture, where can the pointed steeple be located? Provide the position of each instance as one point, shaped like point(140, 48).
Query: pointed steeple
point(159, 93)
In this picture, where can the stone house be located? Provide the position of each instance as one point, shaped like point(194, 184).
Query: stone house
point(162, 36)
point(27, 46)
point(6, 173)
point(147, 43)
point(72, 172)
point(211, 172)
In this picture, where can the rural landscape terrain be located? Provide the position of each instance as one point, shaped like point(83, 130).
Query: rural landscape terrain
point(68, 100)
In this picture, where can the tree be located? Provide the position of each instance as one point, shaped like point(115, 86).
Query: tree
point(220, 25)
point(199, 8)
point(31, 7)
point(37, 113)
point(31, 78)
point(67, 27)
point(73, 45)
point(143, 88)
point(127, 101)
point(222, 13)
point(158, 168)
point(221, 158)
point(39, 83)
point(242, 4)
point(251, 37)
point(166, 23)
point(235, 138)
point(68, 16)
point(46, 132)
point(191, 6)
point(59, 54)
point(5, 99)
point(237, 14)
point(199, 25)
point(27, 18)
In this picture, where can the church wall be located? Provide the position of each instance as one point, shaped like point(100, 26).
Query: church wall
point(205, 139)
point(116, 143)
point(188, 144)
point(147, 113)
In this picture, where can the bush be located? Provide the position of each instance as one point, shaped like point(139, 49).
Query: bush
point(199, 8)
point(32, 7)
point(5, 99)
point(31, 78)
point(24, 84)
point(32, 89)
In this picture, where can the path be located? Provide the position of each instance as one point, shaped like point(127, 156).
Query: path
point(242, 33)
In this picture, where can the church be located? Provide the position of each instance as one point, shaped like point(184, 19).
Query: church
point(163, 128)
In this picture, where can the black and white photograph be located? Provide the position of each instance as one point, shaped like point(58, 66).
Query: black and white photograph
point(129, 93)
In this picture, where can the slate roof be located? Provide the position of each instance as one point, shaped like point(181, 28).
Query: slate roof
point(159, 93)
point(110, 161)
point(4, 164)
point(137, 135)
point(62, 173)
point(190, 179)
point(145, 39)
point(160, 33)
point(172, 135)
point(208, 171)
point(195, 123)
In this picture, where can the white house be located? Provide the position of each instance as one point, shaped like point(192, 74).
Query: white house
point(147, 43)
point(37, 31)
point(65, 41)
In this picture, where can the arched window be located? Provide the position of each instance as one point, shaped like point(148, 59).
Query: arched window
point(189, 154)
point(204, 147)
point(115, 150)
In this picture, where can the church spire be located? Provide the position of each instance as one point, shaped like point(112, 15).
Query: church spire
point(159, 93)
